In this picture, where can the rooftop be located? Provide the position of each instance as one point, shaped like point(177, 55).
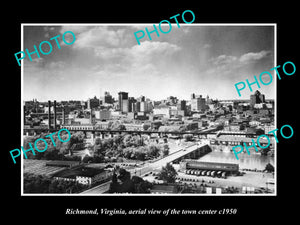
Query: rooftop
point(79, 171)
point(160, 188)
point(240, 139)
point(210, 163)
point(62, 163)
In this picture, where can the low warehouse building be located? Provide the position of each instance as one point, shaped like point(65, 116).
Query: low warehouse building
point(209, 166)
point(83, 175)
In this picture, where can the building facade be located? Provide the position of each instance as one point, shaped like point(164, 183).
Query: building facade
point(107, 98)
point(257, 98)
point(198, 103)
point(103, 114)
point(193, 164)
point(93, 103)
point(122, 96)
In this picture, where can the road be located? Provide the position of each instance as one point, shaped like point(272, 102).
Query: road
point(162, 162)
point(100, 189)
point(156, 165)
point(249, 179)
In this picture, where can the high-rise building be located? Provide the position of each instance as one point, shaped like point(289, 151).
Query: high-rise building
point(208, 100)
point(49, 114)
point(143, 106)
point(137, 107)
point(141, 98)
point(125, 106)
point(93, 103)
point(149, 106)
point(107, 98)
point(182, 106)
point(103, 114)
point(257, 98)
point(198, 103)
point(131, 102)
point(122, 96)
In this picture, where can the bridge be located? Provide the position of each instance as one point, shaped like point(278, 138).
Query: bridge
point(193, 151)
point(139, 132)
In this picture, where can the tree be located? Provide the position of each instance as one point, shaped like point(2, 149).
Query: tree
point(76, 138)
point(121, 183)
point(165, 150)
point(140, 155)
point(121, 127)
point(140, 185)
point(168, 174)
point(188, 137)
point(98, 159)
point(97, 141)
point(269, 168)
point(132, 141)
point(52, 155)
point(116, 125)
point(117, 139)
point(146, 126)
point(86, 159)
point(124, 183)
point(153, 151)
point(43, 184)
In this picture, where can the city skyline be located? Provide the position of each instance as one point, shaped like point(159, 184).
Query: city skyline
point(136, 97)
point(207, 60)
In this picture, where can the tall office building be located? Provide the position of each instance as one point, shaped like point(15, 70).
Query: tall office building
point(137, 107)
point(198, 103)
point(256, 98)
point(125, 106)
point(131, 102)
point(93, 103)
point(123, 96)
point(143, 106)
point(181, 105)
point(107, 98)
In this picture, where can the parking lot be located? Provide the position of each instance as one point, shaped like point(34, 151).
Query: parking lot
point(256, 180)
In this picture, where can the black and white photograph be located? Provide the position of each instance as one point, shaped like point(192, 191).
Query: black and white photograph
point(149, 112)
point(144, 109)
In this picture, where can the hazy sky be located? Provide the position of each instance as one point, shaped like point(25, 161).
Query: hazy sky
point(205, 60)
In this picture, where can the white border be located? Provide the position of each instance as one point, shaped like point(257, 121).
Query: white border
point(144, 24)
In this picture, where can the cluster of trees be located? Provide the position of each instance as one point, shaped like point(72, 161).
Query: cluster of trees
point(120, 146)
point(269, 167)
point(116, 125)
point(142, 153)
point(188, 137)
point(52, 155)
point(168, 174)
point(124, 183)
point(43, 184)
point(56, 152)
point(94, 159)
point(129, 147)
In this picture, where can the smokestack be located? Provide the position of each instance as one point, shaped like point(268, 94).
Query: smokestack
point(91, 117)
point(63, 116)
point(24, 118)
point(54, 114)
point(49, 114)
